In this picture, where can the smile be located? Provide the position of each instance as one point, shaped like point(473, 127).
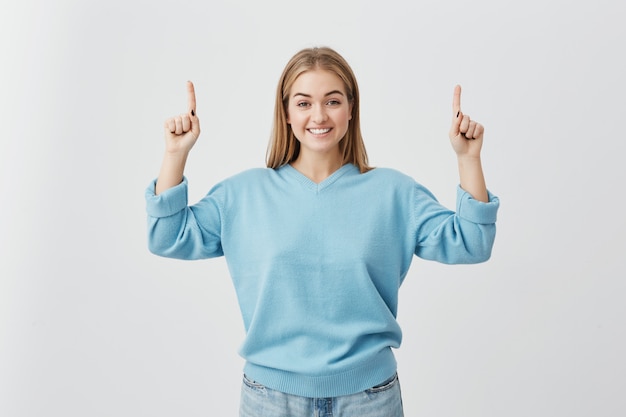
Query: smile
point(319, 131)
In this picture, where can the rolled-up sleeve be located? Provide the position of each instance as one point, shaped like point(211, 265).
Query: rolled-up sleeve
point(176, 230)
point(462, 237)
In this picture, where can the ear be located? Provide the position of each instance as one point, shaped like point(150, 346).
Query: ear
point(351, 107)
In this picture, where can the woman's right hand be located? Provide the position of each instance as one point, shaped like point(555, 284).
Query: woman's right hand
point(181, 132)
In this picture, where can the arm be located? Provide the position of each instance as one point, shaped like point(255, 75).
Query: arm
point(174, 229)
point(467, 235)
point(181, 133)
point(463, 236)
point(466, 137)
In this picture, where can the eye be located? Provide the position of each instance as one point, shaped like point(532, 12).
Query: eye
point(333, 102)
point(302, 104)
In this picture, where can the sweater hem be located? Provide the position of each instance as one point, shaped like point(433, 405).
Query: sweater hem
point(376, 370)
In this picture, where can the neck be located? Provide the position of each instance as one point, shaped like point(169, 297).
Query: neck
point(317, 168)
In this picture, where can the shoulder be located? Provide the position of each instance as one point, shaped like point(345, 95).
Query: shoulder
point(388, 176)
point(249, 176)
point(397, 182)
point(250, 181)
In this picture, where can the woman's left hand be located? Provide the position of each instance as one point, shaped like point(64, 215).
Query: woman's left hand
point(466, 135)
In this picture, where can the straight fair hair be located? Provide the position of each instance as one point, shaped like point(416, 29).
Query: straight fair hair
point(284, 148)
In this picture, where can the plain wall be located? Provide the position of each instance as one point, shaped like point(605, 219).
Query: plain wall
point(92, 324)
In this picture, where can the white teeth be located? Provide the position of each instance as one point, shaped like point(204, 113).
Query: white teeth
point(319, 131)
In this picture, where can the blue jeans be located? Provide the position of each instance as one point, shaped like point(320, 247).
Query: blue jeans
point(383, 400)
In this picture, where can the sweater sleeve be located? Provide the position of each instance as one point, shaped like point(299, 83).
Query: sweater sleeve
point(462, 237)
point(176, 230)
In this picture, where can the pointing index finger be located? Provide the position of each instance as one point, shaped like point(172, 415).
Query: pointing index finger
point(456, 100)
point(191, 98)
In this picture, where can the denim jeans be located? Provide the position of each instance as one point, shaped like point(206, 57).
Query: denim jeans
point(383, 400)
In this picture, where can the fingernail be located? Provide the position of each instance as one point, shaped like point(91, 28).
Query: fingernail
point(194, 113)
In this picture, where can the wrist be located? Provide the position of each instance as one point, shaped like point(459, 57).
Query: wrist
point(466, 159)
point(175, 156)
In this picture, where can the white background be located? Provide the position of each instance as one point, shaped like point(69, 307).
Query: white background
point(92, 324)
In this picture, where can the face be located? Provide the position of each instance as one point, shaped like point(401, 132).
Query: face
point(319, 112)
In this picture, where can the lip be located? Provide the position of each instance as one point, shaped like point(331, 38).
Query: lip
point(324, 130)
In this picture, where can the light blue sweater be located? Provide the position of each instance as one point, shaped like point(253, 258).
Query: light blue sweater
point(317, 267)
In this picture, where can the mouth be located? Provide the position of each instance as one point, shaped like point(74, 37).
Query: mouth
point(319, 131)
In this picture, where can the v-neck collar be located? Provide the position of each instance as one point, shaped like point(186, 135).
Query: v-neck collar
point(312, 185)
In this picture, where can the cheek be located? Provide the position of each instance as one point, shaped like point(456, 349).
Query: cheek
point(347, 116)
point(296, 120)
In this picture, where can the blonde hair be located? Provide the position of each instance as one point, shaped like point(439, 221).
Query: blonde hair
point(284, 147)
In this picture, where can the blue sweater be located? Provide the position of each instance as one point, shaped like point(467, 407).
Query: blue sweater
point(317, 267)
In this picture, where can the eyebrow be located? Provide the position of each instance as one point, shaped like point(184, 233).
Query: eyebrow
point(330, 93)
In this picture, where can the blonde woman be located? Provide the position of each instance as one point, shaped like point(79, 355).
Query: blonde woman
point(318, 243)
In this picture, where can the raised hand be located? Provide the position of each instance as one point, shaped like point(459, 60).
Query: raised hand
point(466, 135)
point(181, 132)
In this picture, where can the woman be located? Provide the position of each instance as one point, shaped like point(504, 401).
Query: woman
point(319, 243)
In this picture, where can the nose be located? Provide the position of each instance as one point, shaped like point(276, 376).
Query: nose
point(319, 114)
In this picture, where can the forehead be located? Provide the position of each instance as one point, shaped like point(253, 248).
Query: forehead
point(317, 81)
